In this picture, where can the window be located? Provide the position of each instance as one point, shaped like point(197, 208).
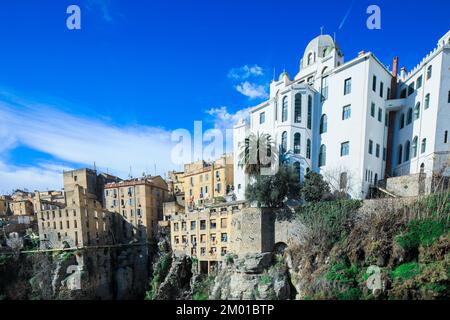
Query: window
point(310, 58)
point(262, 117)
point(175, 226)
point(423, 147)
point(370, 147)
point(284, 110)
point(346, 112)
point(417, 111)
point(402, 121)
point(446, 136)
point(419, 82)
point(374, 83)
point(322, 155)
point(388, 93)
point(411, 89)
point(323, 124)
point(297, 139)
point(381, 89)
point(213, 224)
point(372, 110)
point(284, 142)
point(414, 147)
point(308, 149)
point(429, 72)
point(324, 88)
point(347, 86)
point(407, 150)
point(448, 99)
point(298, 108)
point(345, 148)
point(202, 224)
point(400, 154)
point(309, 111)
point(224, 237)
point(427, 100)
point(377, 150)
point(380, 115)
point(409, 117)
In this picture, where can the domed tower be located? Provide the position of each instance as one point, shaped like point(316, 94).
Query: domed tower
point(321, 52)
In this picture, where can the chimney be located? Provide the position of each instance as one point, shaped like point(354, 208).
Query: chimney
point(390, 138)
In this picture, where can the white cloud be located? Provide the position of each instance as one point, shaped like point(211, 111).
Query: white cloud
point(76, 140)
point(31, 178)
point(252, 90)
point(245, 72)
point(224, 120)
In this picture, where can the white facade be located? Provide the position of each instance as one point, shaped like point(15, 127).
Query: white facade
point(341, 111)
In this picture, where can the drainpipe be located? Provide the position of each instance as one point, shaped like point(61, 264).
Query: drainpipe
point(391, 119)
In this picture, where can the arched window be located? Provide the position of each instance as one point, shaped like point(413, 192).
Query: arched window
point(409, 118)
point(297, 143)
point(284, 142)
point(400, 154)
point(417, 111)
point(310, 58)
point(308, 149)
point(402, 121)
point(323, 123)
point(423, 147)
point(298, 108)
point(414, 147)
point(429, 72)
point(309, 111)
point(284, 110)
point(322, 155)
point(407, 149)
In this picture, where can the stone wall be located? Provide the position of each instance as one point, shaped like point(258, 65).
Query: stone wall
point(409, 185)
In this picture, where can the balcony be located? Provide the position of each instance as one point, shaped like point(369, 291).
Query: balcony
point(395, 104)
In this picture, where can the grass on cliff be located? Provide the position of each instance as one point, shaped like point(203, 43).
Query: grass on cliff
point(410, 245)
point(161, 269)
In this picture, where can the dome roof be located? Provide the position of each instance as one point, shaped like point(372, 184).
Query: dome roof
point(320, 46)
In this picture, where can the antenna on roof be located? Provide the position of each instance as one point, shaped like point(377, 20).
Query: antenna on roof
point(129, 174)
point(273, 79)
point(95, 167)
point(321, 30)
point(155, 169)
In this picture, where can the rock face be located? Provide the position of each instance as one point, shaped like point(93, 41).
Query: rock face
point(259, 276)
point(176, 284)
point(86, 274)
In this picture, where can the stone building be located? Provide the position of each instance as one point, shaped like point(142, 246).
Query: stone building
point(4, 205)
point(207, 182)
point(203, 234)
point(80, 220)
point(138, 204)
point(21, 203)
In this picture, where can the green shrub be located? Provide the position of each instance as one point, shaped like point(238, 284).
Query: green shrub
point(406, 271)
point(422, 233)
point(230, 259)
point(265, 279)
point(328, 222)
point(200, 296)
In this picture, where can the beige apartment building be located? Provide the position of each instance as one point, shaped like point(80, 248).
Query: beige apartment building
point(203, 234)
point(81, 223)
point(22, 203)
point(207, 182)
point(139, 205)
point(78, 221)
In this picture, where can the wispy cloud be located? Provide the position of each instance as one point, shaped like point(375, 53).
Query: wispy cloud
point(252, 90)
point(245, 72)
point(104, 7)
point(74, 139)
point(223, 119)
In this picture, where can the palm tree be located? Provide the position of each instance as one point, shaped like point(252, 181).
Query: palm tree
point(258, 152)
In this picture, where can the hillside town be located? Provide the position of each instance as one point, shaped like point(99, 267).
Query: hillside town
point(365, 132)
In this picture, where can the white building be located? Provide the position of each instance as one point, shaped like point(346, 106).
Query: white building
point(343, 119)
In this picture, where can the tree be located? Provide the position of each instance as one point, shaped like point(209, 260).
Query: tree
point(257, 152)
point(271, 191)
point(314, 188)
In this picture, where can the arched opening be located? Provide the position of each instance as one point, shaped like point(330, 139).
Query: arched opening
point(284, 110)
point(323, 124)
point(298, 108)
point(284, 142)
point(297, 142)
point(322, 155)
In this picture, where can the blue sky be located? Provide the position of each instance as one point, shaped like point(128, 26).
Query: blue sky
point(113, 91)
